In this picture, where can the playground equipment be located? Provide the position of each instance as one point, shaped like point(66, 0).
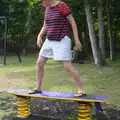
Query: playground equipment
point(3, 39)
point(85, 103)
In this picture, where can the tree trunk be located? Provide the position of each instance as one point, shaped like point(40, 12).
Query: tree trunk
point(92, 34)
point(112, 56)
point(85, 37)
point(15, 45)
point(101, 31)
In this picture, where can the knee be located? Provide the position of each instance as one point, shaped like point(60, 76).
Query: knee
point(40, 63)
point(67, 67)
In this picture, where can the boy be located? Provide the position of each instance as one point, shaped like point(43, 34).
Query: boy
point(57, 44)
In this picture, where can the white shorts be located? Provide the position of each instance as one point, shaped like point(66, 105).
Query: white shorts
point(58, 50)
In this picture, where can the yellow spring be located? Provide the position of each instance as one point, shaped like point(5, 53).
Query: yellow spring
point(23, 112)
point(85, 111)
point(23, 109)
point(23, 106)
point(84, 119)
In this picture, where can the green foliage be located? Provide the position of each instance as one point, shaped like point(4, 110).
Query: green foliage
point(18, 13)
point(35, 21)
point(25, 18)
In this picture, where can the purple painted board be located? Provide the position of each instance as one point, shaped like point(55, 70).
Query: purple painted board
point(44, 93)
point(55, 94)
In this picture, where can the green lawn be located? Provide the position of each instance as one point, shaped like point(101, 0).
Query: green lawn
point(100, 81)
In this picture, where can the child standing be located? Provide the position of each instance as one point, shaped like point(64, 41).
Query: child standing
point(57, 44)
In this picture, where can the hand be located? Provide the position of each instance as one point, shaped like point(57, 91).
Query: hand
point(39, 41)
point(78, 46)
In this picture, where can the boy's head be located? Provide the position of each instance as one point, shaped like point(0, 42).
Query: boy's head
point(44, 3)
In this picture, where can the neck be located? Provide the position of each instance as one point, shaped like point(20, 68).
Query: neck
point(53, 2)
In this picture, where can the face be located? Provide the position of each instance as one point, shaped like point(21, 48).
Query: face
point(44, 3)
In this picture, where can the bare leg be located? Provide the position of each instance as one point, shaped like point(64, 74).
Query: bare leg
point(70, 68)
point(40, 71)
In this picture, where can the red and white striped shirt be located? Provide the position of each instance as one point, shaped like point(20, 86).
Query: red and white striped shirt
point(56, 21)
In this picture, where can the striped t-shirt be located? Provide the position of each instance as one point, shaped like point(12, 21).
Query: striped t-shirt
point(56, 21)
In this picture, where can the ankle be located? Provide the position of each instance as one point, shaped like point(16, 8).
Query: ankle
point(38, 88)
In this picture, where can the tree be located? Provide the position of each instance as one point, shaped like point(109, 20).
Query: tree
point(92, 34)
point(101, 30)
point(110, 34)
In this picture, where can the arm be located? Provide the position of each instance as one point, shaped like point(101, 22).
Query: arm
point(43, 30)
point(75, 31)
point(40, 35)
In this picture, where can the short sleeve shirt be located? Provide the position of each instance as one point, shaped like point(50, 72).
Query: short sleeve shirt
point(57, 25)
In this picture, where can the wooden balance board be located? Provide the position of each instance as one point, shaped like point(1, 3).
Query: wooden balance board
point(85, 103)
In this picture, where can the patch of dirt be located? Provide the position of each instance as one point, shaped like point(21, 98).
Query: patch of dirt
point(14, 80)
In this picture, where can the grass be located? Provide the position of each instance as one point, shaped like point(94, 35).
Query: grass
point(98, 80)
